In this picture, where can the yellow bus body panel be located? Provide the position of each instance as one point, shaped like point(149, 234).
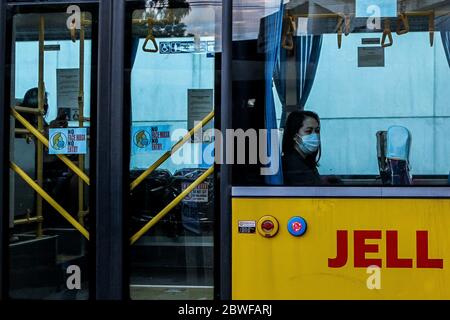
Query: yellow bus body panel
point(288, 267)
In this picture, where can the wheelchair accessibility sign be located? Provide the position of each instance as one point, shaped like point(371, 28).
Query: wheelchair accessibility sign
point(68, 141)
point(177, 47)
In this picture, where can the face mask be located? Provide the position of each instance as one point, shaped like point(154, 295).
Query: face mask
point(309, 144)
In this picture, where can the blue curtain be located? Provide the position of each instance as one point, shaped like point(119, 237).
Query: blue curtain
point(272, 40)
point(307, 57)
point(446, 42)
point(280, 81)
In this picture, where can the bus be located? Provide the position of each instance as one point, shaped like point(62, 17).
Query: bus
point(217, 150)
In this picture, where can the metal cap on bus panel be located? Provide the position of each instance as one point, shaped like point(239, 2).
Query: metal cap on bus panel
point(268, 226)
point(297, 226)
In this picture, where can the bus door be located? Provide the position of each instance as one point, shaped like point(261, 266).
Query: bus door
point(50, 58)
point(171, 206)
point(358, 204)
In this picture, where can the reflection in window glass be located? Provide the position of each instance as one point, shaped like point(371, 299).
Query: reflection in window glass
point(49, 201)
point(353, 107)
point(362, 101)
point(172, 89)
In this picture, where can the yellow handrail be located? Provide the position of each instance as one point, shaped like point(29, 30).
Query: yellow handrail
point(28, 221)
point(81, 157)
point(40, 122)
point(49, 199)
point(174, 149)
point(21, 131)
point(403, 19)
point(171, 205)
point(335, 15)
point(28, 110)
point(44, 140)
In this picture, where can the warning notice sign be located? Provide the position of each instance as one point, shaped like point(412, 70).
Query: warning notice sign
point(199, 194)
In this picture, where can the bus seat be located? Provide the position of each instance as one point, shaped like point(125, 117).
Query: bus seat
point(398, 148)
point(382, 161)
point(394, 148)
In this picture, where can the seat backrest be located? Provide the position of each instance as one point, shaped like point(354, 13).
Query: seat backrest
point(398, 143)
point(397, 154)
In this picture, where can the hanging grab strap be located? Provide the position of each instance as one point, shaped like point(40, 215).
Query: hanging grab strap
point(150, 38)
point(288, 35)
point(343, 20)
point(387, 33)
point(402, 21)
point(431, 27)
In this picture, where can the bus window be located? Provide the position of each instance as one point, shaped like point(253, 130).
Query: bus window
point(356, 99)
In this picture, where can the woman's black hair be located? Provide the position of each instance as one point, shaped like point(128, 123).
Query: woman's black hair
point(31, 99)
point(293, 124)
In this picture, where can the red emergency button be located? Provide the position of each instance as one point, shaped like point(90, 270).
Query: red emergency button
point(268, 226)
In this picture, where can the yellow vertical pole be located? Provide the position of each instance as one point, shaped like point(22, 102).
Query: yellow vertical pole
point(40, 146)
point(81, 123)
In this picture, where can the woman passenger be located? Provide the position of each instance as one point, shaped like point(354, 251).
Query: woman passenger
point(302, 149)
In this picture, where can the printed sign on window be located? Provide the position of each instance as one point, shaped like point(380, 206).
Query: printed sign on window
point(371, 57)
point(200, 194)
point(177, 47)
point(68, 141)
point(200, 104)
point(151, 139)
point(68, 84)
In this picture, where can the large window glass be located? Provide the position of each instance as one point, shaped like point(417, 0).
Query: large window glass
point(173, 59)
point(356, 92)
point(51, 61)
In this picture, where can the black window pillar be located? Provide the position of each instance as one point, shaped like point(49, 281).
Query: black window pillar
point(111, 182)
point(4, 168)
point(225, 170)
